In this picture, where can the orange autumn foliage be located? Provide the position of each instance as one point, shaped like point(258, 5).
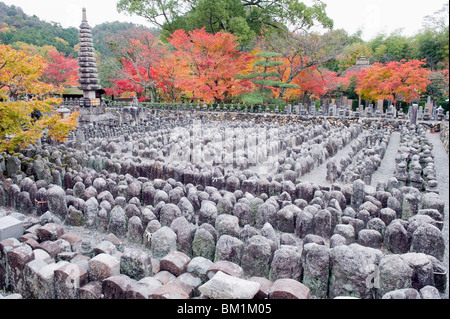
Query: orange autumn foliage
point(22, 94)
point(398, 81)
point(208, 65)
point(313, 82)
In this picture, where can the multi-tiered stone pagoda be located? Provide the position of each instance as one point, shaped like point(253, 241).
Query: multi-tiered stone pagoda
point(91, 103)
point(88, 72)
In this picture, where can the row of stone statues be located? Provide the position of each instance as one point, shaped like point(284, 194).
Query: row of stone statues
point(415, 112)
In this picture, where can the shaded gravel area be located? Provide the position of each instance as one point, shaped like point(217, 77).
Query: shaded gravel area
point(441, 162)
point(387, 167)
point(319, 174)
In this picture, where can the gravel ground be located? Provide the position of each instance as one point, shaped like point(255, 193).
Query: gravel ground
point(387, 166)
point(441, 162)
point(319, 174)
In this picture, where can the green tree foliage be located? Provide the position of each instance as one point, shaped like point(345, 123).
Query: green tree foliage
point(432, 43)
point(350, 90)
point(393, 47)
point(265, 79)
point(433, 46)
point(221, 15)
point(353, 42)
point(351, 53)
point(438, 87)
point(243, 18)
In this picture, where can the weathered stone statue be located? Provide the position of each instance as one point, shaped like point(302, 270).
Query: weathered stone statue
point(413, 113)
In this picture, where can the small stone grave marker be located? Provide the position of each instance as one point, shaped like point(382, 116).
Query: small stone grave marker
point(10, 227)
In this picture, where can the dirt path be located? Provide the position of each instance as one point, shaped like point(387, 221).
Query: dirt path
point(387, 166)
point(318, 175)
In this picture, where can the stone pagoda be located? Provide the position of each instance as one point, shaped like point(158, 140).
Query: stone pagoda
point(90, 104)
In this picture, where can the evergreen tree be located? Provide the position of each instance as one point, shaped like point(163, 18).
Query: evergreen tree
point(265, 80)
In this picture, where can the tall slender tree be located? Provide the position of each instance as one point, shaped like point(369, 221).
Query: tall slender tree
point(265, 79)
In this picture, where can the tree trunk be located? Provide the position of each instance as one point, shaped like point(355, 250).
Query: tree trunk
point(282, 93)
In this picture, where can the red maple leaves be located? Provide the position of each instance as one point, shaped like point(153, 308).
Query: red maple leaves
point(205, 67)
point(61, 71)
point(197, 65)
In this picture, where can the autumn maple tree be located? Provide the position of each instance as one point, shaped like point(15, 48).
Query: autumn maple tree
point(397, 80)
point(138, 52)
point(27, 108)
point(61, 71)
point(302, 52)
point(313, 82)
point(208, 65)
point(166, 75)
